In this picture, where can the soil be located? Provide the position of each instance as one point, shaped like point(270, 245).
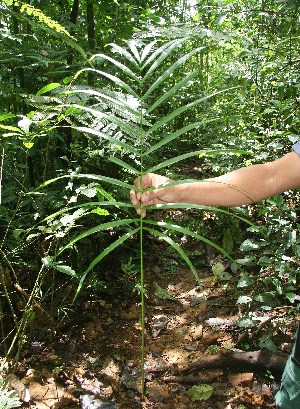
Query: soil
point(93, 360)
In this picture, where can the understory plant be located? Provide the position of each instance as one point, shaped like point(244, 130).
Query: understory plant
point(139, 83)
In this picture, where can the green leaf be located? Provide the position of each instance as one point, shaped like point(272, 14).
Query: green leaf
point(104, 253)
point(169, 71)
point(28, 144)
point(172, 91)
point(243, 299)
point(131, 130)
point(48, 88)
point(200, 392)
point(99, 178)
point(164, 120)
point(244, 280)
point(96, 229)
point(118, 64)
point(11, 128)
point(179, 250)
point(100, 212)
point(64, 269)
point(4, 117)
point(123, 51)
point(117, 142)
point(123, 164)
point(117, 81)
point(227, 241)
point(160, 292)
point(159, 55)
point(248, 245)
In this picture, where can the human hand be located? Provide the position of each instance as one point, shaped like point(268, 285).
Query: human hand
point(151, 197)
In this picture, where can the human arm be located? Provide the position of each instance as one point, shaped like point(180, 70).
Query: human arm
point(242, 186)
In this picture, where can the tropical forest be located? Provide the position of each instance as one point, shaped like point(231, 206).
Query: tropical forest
point(108, 304)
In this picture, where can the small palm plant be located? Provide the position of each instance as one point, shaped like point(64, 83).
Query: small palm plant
point(136, 77)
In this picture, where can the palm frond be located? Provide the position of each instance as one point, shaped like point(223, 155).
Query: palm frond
point(160, 54)
point(163, 121)
point(96, 229)
point(213, 209)
point(179, 250)
point(133, 48)
point(116, 100)
point(117, 81)
point(125, 53)
point(109, 138)
point(131, 130)
point(167, 72)
point(103, 254)
point(187, 155)
point(124, 165)
point(126, 70)
point(147, 49)
point(99, 178)
point(172, 91)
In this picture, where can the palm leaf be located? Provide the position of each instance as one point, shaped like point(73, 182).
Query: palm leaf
point(147, 49)
point(123, 164)
point(118, 64)
point(187, 155)
point(181, 110)
point(189, 232)
point(117, 81)
point(179, 250)
point(111, 139)
point(133, 48)
point(103, 254)
point(175, 135)
point(125, 53)
point(169, 71)
point(99, 178)
point(188, 206)
point(125, 126)
point(160, 54)
point(96, 229)
point(172, 90)
point(115, 101)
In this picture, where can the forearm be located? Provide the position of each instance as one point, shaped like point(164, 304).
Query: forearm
point(227, 190)
point(245, 185)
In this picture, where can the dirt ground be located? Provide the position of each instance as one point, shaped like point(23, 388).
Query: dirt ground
point(94, 360)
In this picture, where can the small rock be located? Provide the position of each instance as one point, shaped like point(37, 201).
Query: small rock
point(90, 402)
point(196, 300)
point(157, 392)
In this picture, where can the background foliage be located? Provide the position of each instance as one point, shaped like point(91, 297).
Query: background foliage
point(50, 89)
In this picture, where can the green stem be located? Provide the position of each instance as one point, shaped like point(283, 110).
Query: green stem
point(142, 309)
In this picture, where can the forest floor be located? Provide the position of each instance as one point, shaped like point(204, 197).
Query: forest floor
point(94, 360)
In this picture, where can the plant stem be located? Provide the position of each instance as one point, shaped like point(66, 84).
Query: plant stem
point(142, 309)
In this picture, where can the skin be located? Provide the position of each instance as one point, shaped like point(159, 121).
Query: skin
point(246, 185)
